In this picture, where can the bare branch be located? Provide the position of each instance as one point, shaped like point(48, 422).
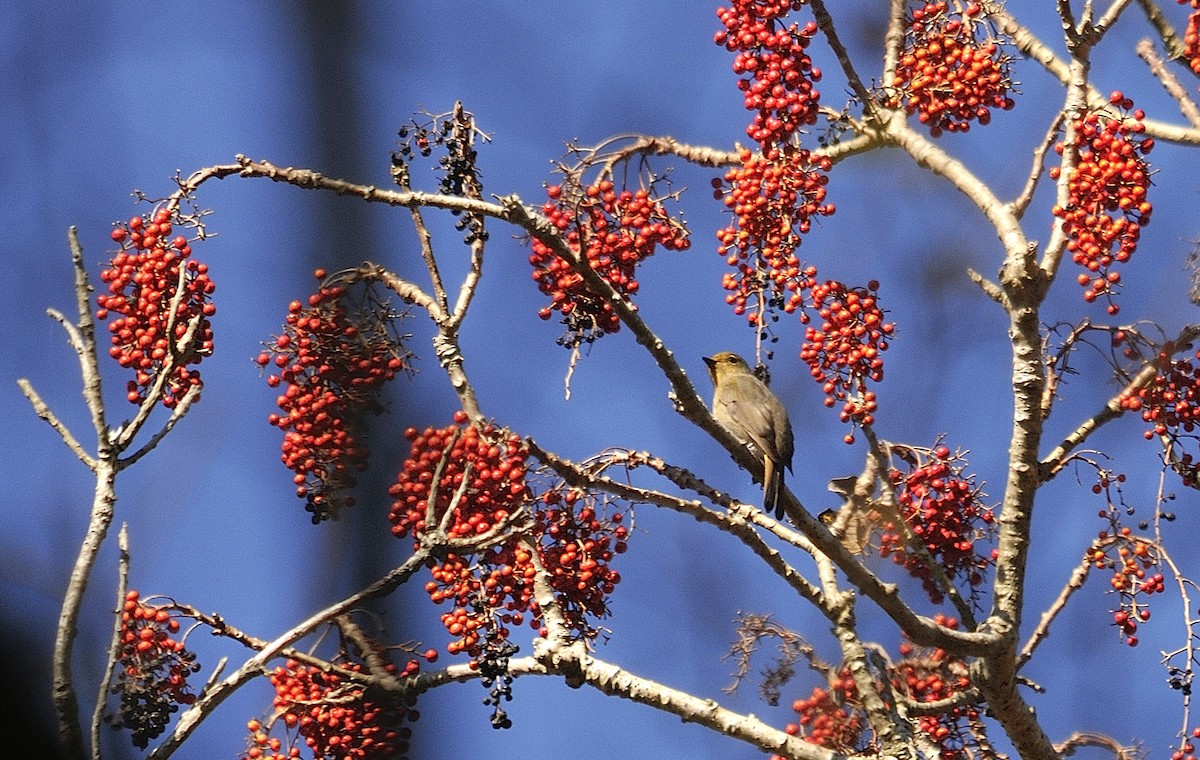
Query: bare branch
point(114, 647)
point(46, 413)
point(1170, 82)
point(1162, 26)
point(177, 414)
point(1037, 166)
point(1075, 582)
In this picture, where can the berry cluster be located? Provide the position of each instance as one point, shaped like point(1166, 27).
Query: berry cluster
point(1191, 37)
point(1106, 205)
point(773, 196)
point(154, 667)
point(494, 589)
point(459, 174)
point(843, 351)
point(778, 74)
point(1170, 403)
point(1131, 559)
point(336, 717)
point(942, 510)
point(614, 231)
point(951, 73)
point(332, 364)
point(931, 675)
point(155, 293)
point(826, 720)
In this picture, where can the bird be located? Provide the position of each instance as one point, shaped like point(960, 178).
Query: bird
point(747, 408)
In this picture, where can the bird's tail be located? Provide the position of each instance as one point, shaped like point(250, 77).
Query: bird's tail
point(773, 485)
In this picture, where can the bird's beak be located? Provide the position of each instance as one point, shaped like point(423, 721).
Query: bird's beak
point(709, 361)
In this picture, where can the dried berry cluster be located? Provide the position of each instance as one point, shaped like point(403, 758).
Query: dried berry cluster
point(778, 76)
point(843, 350)
point(479, 476)
point(458, 165)
point(153, 669)
point(942, 510)
point(928, 675)
point(1106, 205)
point(825, 718)
point(155, 294)
point(951, 71)
point(331, 364)
point(1170, 403)
point(614, 231)
point(773, 196)
point(335, 717)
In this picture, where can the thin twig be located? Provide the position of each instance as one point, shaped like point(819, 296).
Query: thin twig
point(1019, 204)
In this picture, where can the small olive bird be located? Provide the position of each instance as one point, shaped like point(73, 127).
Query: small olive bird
point(747, 408)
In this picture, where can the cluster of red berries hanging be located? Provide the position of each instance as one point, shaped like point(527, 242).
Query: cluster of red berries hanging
point(1133, 561)
point(773, 196)
point(826, 718)
point(1170, 404)
point(613, 231)
point(843, 350)
point(931, 675)
point(482, 484)
point(942, 510)
point(1191, 37)
point(777, 75)
point(155, 294)
point(952, 71)
point(332, 364)
point(1106, 206)
point(153, 668)
point(335, 717)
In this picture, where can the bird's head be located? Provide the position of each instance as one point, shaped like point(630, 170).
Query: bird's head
point(725, 364)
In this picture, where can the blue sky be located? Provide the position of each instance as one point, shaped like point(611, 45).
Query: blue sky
point(105, 97)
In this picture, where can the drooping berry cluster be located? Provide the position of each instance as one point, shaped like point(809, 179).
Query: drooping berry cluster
point(495, 588)
point(931, 675)
point(942, 510)
point(952, 71)
point(1106, 205)
point(828, 718)
point(1132, 560)
point(843, 350)
point(777, 75)
point(774, 197)
point(494, 676)
point(614, 231)
point(155, 294)
point(153, 669)
point(1191, 37)
point(331, 363)
point(335, 717)
point(1170, 403)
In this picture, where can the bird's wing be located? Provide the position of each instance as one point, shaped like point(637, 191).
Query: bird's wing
point(753, 413)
